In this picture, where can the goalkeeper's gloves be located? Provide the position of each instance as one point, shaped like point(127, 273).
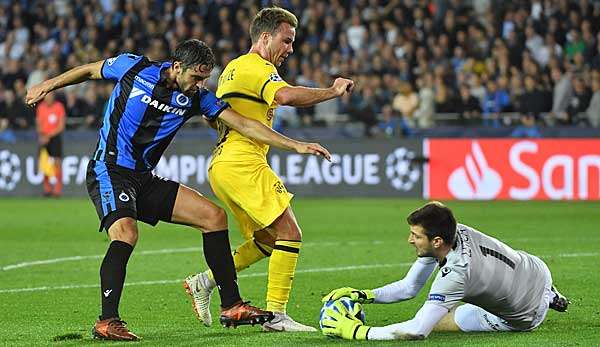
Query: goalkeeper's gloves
point(365, 296)
point(340, 322)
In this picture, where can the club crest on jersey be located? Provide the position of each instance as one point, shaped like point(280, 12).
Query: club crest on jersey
point(123, 197)
point(182, 100)
point(274, 77)
point(437, 297)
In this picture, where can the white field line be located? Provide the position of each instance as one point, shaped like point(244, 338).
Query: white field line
point(263, 274)
point(257, 274)
point(160, 251)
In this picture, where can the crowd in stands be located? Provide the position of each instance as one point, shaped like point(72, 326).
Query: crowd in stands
point(411, 59)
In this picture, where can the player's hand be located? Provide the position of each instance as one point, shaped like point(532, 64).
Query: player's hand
point(342, 86)
point(43, 140)
point(364, 296)
point(313, 148)
point(36, 93)
point(343, 324)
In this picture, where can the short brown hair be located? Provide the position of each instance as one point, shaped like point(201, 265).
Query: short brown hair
point(436, 220)
point(268, 20)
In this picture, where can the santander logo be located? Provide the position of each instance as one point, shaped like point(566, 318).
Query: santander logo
point(476, 179)
point(542, 169)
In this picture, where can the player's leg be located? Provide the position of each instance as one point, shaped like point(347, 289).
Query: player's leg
point(55, 151)
point(282, 266)
point(58, 185)
point(246, 254)
point(123, 234)
point(232, 192)
point(447, 323)
point(117, 212)
point(183, 205)
point(471, 318)
point(46, 166)
point(200, 286)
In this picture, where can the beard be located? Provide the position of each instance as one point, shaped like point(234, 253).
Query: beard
point(425, 254)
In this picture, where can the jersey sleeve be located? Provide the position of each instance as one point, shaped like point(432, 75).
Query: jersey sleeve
point(115, 68)
point(211, 106)
point(410, 285)
point(270, 85)
point(448, 288)
point(415, 329)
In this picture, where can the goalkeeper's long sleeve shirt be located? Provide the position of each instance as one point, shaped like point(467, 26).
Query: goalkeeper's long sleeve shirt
point(410, 285)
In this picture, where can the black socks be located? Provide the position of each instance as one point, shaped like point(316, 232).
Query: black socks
point(112, 277)
point(217, 253)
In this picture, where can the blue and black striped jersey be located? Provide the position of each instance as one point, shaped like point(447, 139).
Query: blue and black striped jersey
point(143, 115)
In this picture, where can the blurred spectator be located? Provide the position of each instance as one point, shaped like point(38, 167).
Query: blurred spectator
point(326, 113)
point(593, 110)
point(561, 94)
point(6, 134)
point(468, 107)
point(14, 110)
point(37, 75)
point(390, 124)
point(494, 102)
point(442, 95)
point(285, 116)
point(76, 109)
point(424, 113)
point(406, 102)
point(357, 33)
point(575, 44)
point(579, 102)
point(527, 128)
point(533, 100)
point(365, 111)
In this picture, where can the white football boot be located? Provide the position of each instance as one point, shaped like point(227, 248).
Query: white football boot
point(200, 287)
point(283, 322)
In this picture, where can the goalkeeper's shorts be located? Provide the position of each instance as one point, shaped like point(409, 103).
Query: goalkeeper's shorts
point(253, 193)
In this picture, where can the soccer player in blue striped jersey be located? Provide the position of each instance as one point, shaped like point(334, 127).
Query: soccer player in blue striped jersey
point(150, 102)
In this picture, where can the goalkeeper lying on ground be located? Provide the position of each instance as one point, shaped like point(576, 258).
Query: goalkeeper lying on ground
point(504, 289)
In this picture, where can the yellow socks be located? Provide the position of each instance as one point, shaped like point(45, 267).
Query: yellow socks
point(247, 254)
point(282, 266)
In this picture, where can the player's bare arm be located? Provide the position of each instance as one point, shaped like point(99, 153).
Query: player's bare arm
point(303, 96)
point(258, 131)
point(76, 75)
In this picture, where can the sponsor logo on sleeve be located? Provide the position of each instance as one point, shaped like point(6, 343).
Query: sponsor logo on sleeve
point(437, 297)
point(111, 61)
point(445, 271)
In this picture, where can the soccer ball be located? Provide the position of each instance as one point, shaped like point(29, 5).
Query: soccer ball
point(348, 303)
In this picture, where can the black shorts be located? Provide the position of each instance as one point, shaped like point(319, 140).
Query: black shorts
point(119, 192)
point(55, 146)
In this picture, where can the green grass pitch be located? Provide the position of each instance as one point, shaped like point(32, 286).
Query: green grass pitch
point(53, 248)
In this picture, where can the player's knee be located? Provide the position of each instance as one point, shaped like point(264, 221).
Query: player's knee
point(265, 237)
point(216, 220)
point(289, 230)
point(124, 229)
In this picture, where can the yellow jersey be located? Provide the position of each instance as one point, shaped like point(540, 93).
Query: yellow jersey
point(248, 84)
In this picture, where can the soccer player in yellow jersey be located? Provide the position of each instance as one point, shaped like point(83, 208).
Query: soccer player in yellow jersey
point(240, 175)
